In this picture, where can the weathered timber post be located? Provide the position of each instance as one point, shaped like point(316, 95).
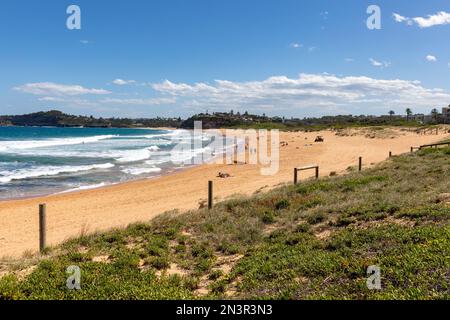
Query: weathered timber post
point(210, 195)
point(42, 227)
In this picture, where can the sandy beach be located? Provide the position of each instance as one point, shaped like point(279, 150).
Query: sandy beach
point(72, 214)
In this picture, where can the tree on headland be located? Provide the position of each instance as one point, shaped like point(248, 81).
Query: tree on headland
point(408, 113)
point(391, 114)
point(434, 114)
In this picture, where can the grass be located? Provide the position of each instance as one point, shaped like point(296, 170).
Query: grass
point(310, 241)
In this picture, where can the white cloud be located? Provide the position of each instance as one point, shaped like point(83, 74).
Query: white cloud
point(380, 64)
point(56, 89)
point(52, 99)
point(431, 58)
point(399, 18)
point(296, 45)
point(440, 18)
point(69, 101)
point(154, 101)
point(321, 93)
point(121, 82)
point(349, 60)
point(84, 41)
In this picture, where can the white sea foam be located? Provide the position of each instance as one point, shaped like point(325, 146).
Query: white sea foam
point(87, 187)
point(44, 171)
point(32, 144)
point(153, 148)
point(153, 162)
point(179, 156)
point(139, 171)
point(134, 156)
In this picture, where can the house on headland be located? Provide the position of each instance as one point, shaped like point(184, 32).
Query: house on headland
point(446, 114)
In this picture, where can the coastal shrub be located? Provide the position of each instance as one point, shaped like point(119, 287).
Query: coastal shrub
point(351, 184)
point(127, 261)
point(313, 187)
point(316, 218)
point(282, 204)
point(303, 227)
point(159, 263)
point(9, 288)
point(310, 202)
point(432, 212)
point(344, 221)
point(268, 217)
point(228, 247)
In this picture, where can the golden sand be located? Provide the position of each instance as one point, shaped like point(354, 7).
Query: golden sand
point(72, 214)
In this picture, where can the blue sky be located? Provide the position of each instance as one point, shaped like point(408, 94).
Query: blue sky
point(281, 57)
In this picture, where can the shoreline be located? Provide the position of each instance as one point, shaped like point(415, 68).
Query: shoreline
point(68, 192)
point(116, 206)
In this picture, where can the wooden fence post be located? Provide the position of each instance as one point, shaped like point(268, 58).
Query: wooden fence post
point(42, 227)
point(390, 154)
point(295, 175)
point(317, 172)
point(210, 195)
point(360, 164)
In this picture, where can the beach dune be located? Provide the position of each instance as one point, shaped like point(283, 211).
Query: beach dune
point(72, 214)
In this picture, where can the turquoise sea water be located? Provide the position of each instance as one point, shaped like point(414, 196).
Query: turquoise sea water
point(39, 161)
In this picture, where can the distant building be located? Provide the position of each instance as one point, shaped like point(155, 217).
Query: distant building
point(422, 118)
point(446, 114)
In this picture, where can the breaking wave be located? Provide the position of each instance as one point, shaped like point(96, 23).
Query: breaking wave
point(46, 171)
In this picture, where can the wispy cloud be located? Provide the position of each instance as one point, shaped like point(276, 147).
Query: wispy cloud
point(431, 58)
point(440, 18)
point(69, 101)
point(400, 18)
point(324, 15)
point(151, 101)
point(121, 82)
point(379, 64)
point(56, 89)
point(295, 45)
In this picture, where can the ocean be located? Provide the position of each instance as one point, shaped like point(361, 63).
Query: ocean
point(36, 161)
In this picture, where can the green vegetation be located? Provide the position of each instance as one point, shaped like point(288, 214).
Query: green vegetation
point(249, 121)
point(213, 121)
point(310, 241)
point(58, 119)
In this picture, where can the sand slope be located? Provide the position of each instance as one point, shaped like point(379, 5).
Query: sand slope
point(69, 215)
